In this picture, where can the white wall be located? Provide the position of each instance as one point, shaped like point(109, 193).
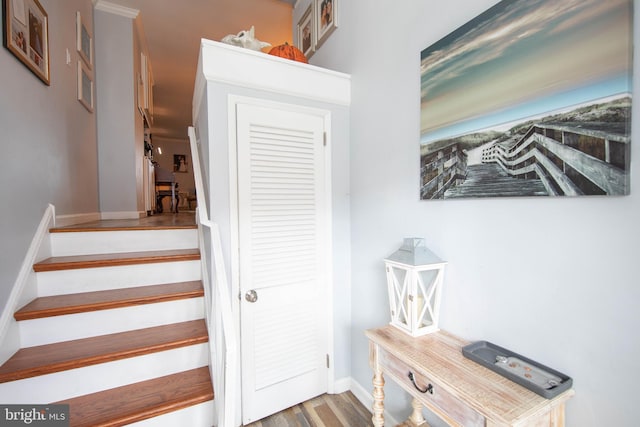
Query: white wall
point(552, 279)
point(48, 141)
point(120, 124)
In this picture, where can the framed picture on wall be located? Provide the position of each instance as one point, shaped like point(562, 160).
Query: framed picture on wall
point(26, 35)
point(180, 163)
point(85, 86)
point(306, 34)
point(527, 99)
point(84, 42)
point(326, 19)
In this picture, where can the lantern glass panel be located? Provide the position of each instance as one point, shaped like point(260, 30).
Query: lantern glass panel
point(399, 296)
point(425, 291)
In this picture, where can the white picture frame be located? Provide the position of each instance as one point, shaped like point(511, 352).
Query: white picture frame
point(325, 20)
point(85, 87)
point(306, 40)
point(84, 41)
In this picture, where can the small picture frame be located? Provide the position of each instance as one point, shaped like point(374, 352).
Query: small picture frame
point(306, 34)
point(180, 163)
point(84, 41)
point(326, 19)
point(26, 35)
point(85, 86)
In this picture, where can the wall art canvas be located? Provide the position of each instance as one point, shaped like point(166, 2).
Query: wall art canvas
point(530, 98)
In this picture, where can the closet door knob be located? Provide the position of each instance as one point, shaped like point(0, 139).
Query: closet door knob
point(251, 296)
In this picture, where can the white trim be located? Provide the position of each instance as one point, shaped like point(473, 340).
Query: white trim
point(198, 92)
point(341, 385)
point(65, 220)
point(366, 399)
point(223, 63)
point(116, 9)
point(328, 245)
point(38, 249)
point(234, 251)
point(122, 215)
point(234, 226)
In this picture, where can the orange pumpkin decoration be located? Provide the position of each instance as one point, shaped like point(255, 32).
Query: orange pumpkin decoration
point(289, 52)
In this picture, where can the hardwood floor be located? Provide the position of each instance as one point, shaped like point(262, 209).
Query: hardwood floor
point(328, 410)
point(158, 221)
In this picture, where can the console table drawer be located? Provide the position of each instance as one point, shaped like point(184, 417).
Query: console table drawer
point(440, 401)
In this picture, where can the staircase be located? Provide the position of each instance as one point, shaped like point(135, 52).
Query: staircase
point(117, 330)
point(490, 180)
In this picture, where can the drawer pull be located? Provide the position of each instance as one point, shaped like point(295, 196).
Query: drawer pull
point(428, 389)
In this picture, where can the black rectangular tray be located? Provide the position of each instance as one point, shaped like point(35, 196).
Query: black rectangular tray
point(536, 377)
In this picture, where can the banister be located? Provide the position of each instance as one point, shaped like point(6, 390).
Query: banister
point(219, 315)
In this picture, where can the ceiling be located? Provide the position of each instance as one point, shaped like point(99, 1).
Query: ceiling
point(173, 31)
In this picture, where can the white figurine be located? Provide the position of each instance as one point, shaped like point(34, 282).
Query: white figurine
point(245, 39)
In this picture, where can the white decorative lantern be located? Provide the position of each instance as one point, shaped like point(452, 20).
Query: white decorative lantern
point(414, 279)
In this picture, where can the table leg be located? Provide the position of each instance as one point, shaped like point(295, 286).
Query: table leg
point(378, 399)
point(557, 416)
point(416, 416)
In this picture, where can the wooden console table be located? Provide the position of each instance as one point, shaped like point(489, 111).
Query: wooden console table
point(461, 392)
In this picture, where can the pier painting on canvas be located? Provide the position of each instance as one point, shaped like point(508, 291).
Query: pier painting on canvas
point(530, 98)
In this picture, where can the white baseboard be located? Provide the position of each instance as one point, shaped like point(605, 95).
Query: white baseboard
point(366, 398)
point(122, 215)
point(65, 220)
point(341, 385)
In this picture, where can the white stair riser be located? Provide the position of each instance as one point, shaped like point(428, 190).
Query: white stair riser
point(194, 416)
point(90, 379)
point(83, 325)
point(102, 242)
point(126, 276)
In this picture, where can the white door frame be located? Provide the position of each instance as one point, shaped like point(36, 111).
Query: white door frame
point(233, 101)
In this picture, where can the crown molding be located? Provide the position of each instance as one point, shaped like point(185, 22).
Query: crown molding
point(222, 63)
point(116, 9)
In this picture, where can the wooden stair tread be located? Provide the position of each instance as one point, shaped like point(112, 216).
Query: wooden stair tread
point(102, 300)
point(136, 402)
point(116, 259)
point(45, 359)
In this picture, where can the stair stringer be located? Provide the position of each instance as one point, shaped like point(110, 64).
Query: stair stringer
point(25, 287)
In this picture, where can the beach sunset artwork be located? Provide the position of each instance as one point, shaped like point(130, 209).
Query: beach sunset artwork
point(530, 98)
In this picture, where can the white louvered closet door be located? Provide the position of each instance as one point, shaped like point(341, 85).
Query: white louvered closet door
point(282, 224)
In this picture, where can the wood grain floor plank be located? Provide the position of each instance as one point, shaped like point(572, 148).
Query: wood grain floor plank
point(45, 359)
point(328, 417)
point(155, 222)
point(354, 411)
point(327, 410)
point(103, 300)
